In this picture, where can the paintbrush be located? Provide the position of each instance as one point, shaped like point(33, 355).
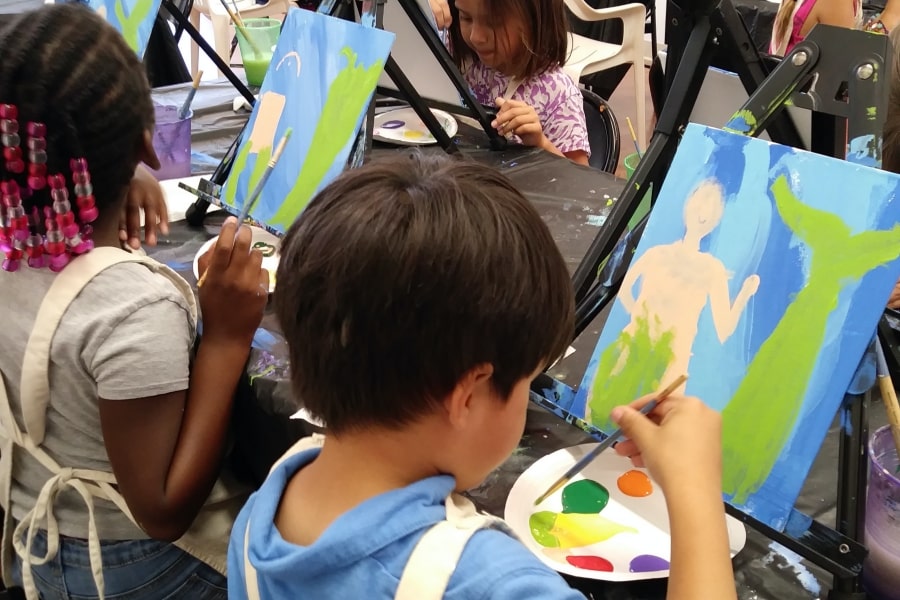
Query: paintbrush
point(186, 106)
point(257, 191)
point(239, 25)
point(588, 458)
point(888, 394)
point(634, 139)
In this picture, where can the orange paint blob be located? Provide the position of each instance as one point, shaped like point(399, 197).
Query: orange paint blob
point(635, 484)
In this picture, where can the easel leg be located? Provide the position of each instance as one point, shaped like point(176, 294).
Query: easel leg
point(415, 101)
point(851, 492)
point(372, 16)
point(185, 24)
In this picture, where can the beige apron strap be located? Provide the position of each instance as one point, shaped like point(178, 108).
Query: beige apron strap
point(35, 394)
point(66, 286)
point(434, 559)
point(251, 582)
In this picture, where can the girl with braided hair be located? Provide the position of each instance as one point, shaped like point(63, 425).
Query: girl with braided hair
point(110, 465)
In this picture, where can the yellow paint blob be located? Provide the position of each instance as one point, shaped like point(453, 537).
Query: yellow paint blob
point(573, 530)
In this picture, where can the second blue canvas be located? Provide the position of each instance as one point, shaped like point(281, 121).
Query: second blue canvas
point(319, 84)
point(132, 18)
point(761, 275)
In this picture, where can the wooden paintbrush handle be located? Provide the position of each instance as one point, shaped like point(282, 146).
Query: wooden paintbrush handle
point(891, 406)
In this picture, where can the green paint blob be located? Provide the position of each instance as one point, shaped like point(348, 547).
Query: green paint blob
point(763, 411)
point(641, 362)
point(584, 496)
point(572, 530)
point(347, 97)
point(541, 523)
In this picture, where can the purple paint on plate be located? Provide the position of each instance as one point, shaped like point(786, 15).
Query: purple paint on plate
point(646, 563)
point(395, 124)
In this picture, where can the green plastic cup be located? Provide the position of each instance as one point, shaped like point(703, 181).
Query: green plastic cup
point(631, 163)
point(257, 51)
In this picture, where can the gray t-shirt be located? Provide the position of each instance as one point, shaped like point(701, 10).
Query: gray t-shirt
point(127, 335)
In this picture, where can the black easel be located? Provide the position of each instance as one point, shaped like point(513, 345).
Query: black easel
point(185, 25)
point(813, 79)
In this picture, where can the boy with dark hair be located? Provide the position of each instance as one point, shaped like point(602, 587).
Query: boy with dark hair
point(419, 297)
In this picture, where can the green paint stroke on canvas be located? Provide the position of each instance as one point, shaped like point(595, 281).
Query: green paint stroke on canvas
point(629, 368)
point(131, 23)
point(240, 163)
point(346, 98)
point(763, 411)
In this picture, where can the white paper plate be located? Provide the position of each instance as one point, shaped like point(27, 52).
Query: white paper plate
point(260, 236)
point(403, 126)
point(639, 526)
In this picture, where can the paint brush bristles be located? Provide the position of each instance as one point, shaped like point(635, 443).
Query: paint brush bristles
point(254, 196)
point(588, 458)
point(239, 25)
point(186, 106)
point(888, 394)
point(637, 147)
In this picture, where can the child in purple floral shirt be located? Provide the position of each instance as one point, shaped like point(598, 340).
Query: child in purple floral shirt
point(511, 54)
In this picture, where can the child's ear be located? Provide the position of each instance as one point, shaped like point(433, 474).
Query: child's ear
point(472, 386)
point(146, 151)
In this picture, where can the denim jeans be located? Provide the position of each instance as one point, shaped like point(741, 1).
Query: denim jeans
point(132, 570)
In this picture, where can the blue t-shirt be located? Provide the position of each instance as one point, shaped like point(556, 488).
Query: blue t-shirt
point(363, 553)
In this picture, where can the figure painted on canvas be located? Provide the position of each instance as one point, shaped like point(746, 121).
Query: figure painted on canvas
point(762, 273)
point(133, 18)
point(655, 346)
point(325, 70)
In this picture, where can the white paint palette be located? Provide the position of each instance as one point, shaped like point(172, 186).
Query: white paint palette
point(610, 522)
point(263, 241)
point(404, 127)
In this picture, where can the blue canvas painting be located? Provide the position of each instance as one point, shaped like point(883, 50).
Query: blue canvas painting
point(319, 84)
point(132, 18)
point(761, 275)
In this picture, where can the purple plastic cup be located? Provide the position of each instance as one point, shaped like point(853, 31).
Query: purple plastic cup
point(172, 142)
point(881, 569)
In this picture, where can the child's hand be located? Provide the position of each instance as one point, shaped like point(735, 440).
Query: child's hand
point(236, 289)
point(679, 441)
point(519, 118)
point(441, 11)
point(144, 195)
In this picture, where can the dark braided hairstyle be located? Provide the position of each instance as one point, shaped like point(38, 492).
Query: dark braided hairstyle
point(66, 67)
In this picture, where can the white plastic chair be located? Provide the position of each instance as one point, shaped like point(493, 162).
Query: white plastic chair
point(223, 30)
point(588, 56)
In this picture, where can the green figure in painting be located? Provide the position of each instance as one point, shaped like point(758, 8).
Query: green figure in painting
point(677, 282)
point(131, 23)
point(763, 411)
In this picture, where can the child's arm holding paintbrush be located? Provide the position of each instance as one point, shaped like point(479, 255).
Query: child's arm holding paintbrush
point(680, 444)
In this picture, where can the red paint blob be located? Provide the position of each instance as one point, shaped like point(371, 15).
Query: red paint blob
point(591, 563)
point(635, 484)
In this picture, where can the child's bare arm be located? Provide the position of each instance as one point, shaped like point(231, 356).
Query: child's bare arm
point(680, 443)
point(166, 450)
